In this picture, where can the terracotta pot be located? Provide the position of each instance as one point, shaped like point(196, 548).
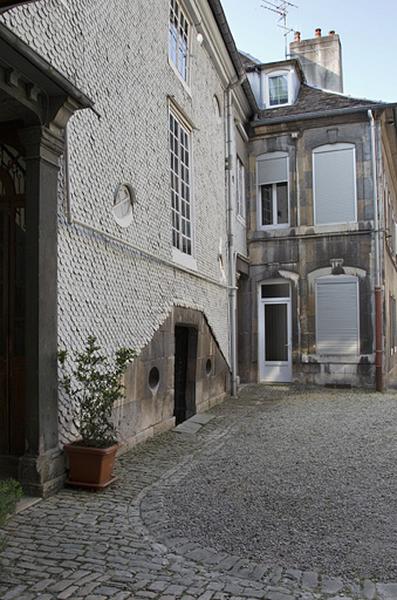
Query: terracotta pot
point(90, 467)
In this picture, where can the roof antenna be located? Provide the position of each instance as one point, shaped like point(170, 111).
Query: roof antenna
point(281, 8)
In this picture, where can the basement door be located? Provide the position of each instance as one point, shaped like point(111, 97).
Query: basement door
point(185, 373)
point(275, 345)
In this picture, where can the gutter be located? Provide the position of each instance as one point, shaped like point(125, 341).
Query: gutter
point(379, 383)
point(220, 18)
point(321, 114)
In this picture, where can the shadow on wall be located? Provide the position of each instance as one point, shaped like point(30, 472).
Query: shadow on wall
point(181, 371)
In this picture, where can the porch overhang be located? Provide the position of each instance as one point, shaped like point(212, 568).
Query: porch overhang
point(31, 90)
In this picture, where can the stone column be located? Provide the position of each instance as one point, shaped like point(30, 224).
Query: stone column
point(42, 466)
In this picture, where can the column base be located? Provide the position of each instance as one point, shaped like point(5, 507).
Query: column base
point(42, 475)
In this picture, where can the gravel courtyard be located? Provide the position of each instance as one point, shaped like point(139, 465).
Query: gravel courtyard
point(282, 494)
point(307, 480)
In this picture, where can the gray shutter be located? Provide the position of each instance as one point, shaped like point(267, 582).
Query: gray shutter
point(337, 315)
point(334, 186)
point(272, 170)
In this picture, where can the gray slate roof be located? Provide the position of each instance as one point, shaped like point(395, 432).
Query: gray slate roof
point(312, 100)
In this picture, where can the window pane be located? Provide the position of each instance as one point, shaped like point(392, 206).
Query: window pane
point(282, 203)
point(180, 185)
point(267, 205)
point(275, 290)
point(276, 332)
point(278, 90)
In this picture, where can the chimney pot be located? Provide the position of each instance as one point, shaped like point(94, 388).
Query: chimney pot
point(332, 32)
point(297, 36)
point(318, 32)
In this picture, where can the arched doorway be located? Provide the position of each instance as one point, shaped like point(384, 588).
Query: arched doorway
point(12, 302)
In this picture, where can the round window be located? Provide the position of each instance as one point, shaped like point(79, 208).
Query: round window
point(154, 378)
point(123, 204)
point(208, 366)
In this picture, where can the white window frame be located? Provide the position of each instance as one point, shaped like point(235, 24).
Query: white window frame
point(262, 158)
point(336, 279)
point(334, 148)
point(179, 255)
point(185, 79)
point(267, 88)
point(240, 190)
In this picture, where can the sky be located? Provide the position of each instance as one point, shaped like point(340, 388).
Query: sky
point(367, 29)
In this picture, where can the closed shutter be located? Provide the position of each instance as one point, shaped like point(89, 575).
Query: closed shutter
point(334, 184)
point(337, 319)
point(272, 169)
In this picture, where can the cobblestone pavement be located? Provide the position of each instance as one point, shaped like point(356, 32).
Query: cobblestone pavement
point(124, 543)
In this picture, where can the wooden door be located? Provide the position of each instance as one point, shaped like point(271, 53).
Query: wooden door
point(12, 302)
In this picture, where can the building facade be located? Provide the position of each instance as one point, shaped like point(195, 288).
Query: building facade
point(132, 232)
point(319, 301)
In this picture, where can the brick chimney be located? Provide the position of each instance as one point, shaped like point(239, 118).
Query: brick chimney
point(321, 60)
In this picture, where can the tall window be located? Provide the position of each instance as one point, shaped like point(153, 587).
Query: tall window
point(180, 142)
point(337, 315)
point(273, 203)
point(278, 90)
point(179, 39)
point(334, 184)
point(240, 191)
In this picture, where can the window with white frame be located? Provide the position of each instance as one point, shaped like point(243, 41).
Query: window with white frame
point(334, 184)
point(278, 89)
point(337, 315)
point(240, 188)
point(179, 39)
point(273, 193)
point(180, 143)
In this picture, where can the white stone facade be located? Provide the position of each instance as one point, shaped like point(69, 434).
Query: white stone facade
point(121, 284)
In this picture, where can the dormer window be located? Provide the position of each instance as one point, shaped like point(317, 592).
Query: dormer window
point(280, 87)
point(278, 90)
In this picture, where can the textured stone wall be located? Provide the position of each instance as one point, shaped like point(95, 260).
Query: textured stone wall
point(303, 248)
point(123, 289)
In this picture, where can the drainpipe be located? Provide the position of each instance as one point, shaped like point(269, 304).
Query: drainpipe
point(379, 384)
point(231, 254)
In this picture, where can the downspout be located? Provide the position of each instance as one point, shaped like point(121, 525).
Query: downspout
point(231, 254)
point(379, 384)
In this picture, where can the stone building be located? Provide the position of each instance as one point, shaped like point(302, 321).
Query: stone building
point(230, 220)
point(119, 126)
point(319, 303)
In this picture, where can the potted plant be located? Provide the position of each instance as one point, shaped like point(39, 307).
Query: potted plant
point(94, 382)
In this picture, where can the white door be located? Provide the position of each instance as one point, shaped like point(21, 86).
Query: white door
point(275, 345)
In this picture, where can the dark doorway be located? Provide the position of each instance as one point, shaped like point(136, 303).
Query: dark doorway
point(185, 373)
point(12, 302)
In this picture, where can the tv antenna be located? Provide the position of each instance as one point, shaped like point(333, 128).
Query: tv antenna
point(281, 8)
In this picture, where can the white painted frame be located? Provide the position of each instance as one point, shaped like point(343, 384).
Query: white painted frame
point(184, 259)
point(333, 279)
point(262, 158)
point(277, 73)
point(333, 148)
point(185, 82)
point(261, 333)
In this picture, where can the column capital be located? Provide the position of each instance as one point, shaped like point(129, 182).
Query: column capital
point(41, 143)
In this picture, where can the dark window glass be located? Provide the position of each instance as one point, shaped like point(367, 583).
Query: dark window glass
point(275, 290)
point(276, 332)
point(267, 204)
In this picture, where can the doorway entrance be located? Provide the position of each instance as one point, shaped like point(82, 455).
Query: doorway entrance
point(185, 373)
point(275, 342)
point(12, 302)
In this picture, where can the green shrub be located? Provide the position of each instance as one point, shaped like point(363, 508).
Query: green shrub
point(94, 381)
point(10, 493)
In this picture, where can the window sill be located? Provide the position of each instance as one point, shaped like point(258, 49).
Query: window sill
point(184, 260)
point(184, 83)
